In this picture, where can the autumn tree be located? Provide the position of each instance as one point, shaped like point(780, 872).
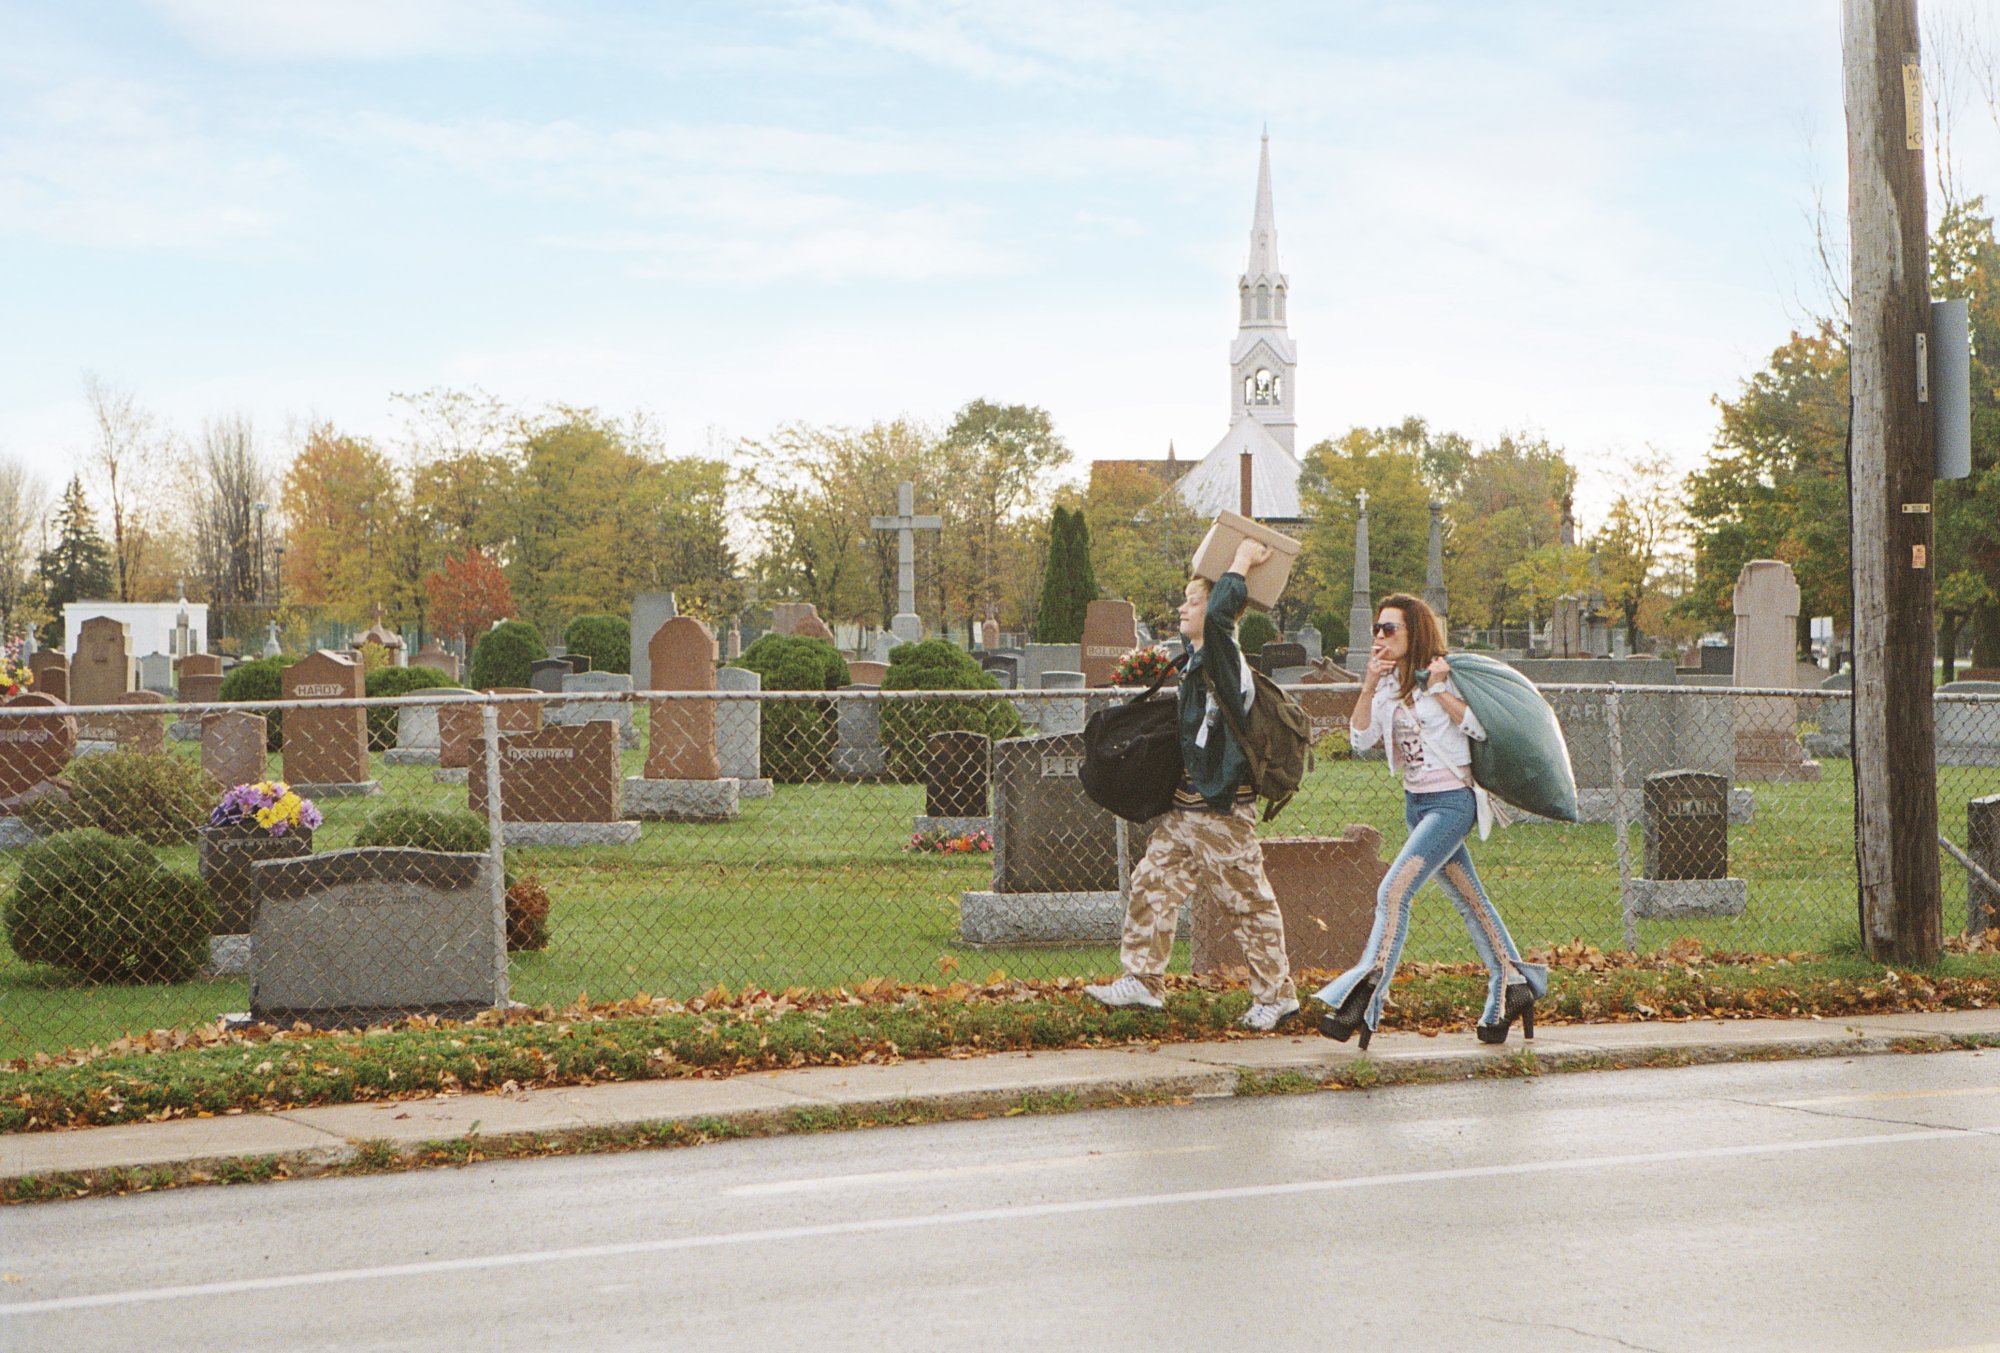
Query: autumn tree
point(1505, 504)
point(1635, 539)
point(467, 595)
point(340, 500)
point(1143, 536)
point(1388, 463)
point(987, 475)
point(223, 482)
point(22, 507)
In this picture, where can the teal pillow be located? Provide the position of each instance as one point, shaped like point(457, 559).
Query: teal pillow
point(1523, 759)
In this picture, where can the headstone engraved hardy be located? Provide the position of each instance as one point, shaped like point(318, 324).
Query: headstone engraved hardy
point(50, 668)
point(907, 625)
point(355, 937)
point(1687, 849)
point(739, 733)
point(140, 732)
point(683, 779)
point(233, 746)
point(1326, 893)
point(957, 771)
point(462, 729)
point(1767, 609)
point(103, 671)
point(650, 610)
point(1691, 730)
point(33, 751)
point(559, 787)
point(1055, 853)
point(1982, 830)
point(326, 750)
point(615, 712)
point(1110, 631)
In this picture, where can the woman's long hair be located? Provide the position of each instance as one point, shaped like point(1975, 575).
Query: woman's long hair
point(1426, 638)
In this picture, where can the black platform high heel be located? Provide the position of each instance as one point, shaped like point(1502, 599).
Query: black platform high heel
point(1518, 1003)
point(1352, 1015)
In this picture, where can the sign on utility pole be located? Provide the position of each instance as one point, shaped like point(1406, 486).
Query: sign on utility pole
point(1890, 469)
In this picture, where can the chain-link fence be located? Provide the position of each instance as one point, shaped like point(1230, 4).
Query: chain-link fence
point(462, 848)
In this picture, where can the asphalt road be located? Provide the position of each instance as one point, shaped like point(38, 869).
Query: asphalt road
point(1819, 1205)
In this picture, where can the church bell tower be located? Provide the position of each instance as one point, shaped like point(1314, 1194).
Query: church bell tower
point(1263, 359)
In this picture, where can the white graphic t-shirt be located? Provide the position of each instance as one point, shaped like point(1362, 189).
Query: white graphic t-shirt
point(1420, 776)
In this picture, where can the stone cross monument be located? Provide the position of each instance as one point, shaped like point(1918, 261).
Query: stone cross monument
point(1361, 612)
point(908, 626)
point(1434, 593)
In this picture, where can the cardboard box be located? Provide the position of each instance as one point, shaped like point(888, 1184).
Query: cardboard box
point(1218, 548)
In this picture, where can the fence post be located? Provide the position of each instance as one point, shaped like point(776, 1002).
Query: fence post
point(495, 846)
point(1621, 820)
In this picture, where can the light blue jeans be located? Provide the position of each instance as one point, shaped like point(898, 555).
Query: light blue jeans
point(1439, 824)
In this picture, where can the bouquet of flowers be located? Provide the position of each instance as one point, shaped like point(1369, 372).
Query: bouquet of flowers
point(271, 804)
point(1141, 667)
point(944, 843)
point(15, 677)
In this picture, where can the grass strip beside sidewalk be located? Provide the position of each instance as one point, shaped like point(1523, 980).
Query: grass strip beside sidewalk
point(170, 1076)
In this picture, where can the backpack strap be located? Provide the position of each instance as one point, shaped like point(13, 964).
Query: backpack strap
point(1161, 679)
point(1235, 726)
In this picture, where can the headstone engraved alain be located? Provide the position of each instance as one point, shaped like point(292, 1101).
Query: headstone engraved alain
point(1687, 849)
point(558, 787)
point(1767, 611)
point(355, 937)
point(326, 750)
point(1056, 875)
point(683, 779)
point(1110, 631)
point(739, 734)
point(957, 772)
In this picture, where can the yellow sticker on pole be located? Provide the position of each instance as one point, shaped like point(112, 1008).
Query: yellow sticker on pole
point(1913, 104)
point(1918, 556)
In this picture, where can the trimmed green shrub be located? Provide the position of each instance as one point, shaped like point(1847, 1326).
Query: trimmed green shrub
point(386, 681)
point(605, 639)
point(1255, 630)
point(261, 679)
point(798, 735)
point(1069, 583)
point(158, 797)
point(503, 654)
point(107, 909)
point(907, 725)
point(452, 829)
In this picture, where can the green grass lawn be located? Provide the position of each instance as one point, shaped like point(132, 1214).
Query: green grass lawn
point(813, 888)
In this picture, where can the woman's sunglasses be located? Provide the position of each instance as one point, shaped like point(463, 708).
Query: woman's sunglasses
point(1385, 628)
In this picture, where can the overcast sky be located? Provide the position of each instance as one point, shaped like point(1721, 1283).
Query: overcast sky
point(1582, 218)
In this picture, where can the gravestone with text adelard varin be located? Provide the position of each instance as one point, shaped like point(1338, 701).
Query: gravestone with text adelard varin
point(461, 725)
point(739, 733)
point(103, 671)
point(1110, 631)
point(558, 787)
point(357, 937)
point(1058, 875)
point(1686, 874)
point(35, 747)
point(1766, 602)
point(326, 749)
point(683, 780)
point(957, 773)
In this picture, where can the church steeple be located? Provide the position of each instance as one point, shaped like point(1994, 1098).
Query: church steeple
point(1262, 359)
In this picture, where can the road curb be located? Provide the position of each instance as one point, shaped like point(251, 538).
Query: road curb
point(462, 1129)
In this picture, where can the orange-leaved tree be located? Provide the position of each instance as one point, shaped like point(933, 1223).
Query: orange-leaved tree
point(468, 594)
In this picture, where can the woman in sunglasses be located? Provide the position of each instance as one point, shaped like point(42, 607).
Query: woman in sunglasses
point(1407, 697)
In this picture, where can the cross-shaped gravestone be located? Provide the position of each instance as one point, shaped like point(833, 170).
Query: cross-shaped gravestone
point(908, 626)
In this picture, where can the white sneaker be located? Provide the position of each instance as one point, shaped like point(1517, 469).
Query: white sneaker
point(1129, 990)
point(1264, 1018)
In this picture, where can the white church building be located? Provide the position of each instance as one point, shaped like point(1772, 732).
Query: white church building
point(1254, 468)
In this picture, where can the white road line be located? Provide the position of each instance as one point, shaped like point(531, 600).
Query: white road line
point(1024, 1212)
point(1886, 1095)
point(843, 1181)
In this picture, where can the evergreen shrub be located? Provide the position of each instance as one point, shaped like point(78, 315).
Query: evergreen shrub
point(503, 654)
point(798, 735)
point(261, 679)
point(450, 829)
point(1255, 630)
point(106, 909)
point(907, 725)
point(605, 639)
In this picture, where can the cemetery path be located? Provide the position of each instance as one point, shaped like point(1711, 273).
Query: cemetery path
point(1788, 1205)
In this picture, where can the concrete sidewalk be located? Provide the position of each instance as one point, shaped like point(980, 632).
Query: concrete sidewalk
point(308, 1140)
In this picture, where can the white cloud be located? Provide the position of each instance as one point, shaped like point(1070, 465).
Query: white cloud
point(312, 30)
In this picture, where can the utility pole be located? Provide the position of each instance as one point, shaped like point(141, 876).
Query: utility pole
point(1890, 473)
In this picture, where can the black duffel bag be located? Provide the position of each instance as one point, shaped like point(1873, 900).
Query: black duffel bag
point(1132, 753)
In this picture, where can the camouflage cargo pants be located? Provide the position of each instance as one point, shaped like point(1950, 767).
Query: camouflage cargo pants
point(1218, 852)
